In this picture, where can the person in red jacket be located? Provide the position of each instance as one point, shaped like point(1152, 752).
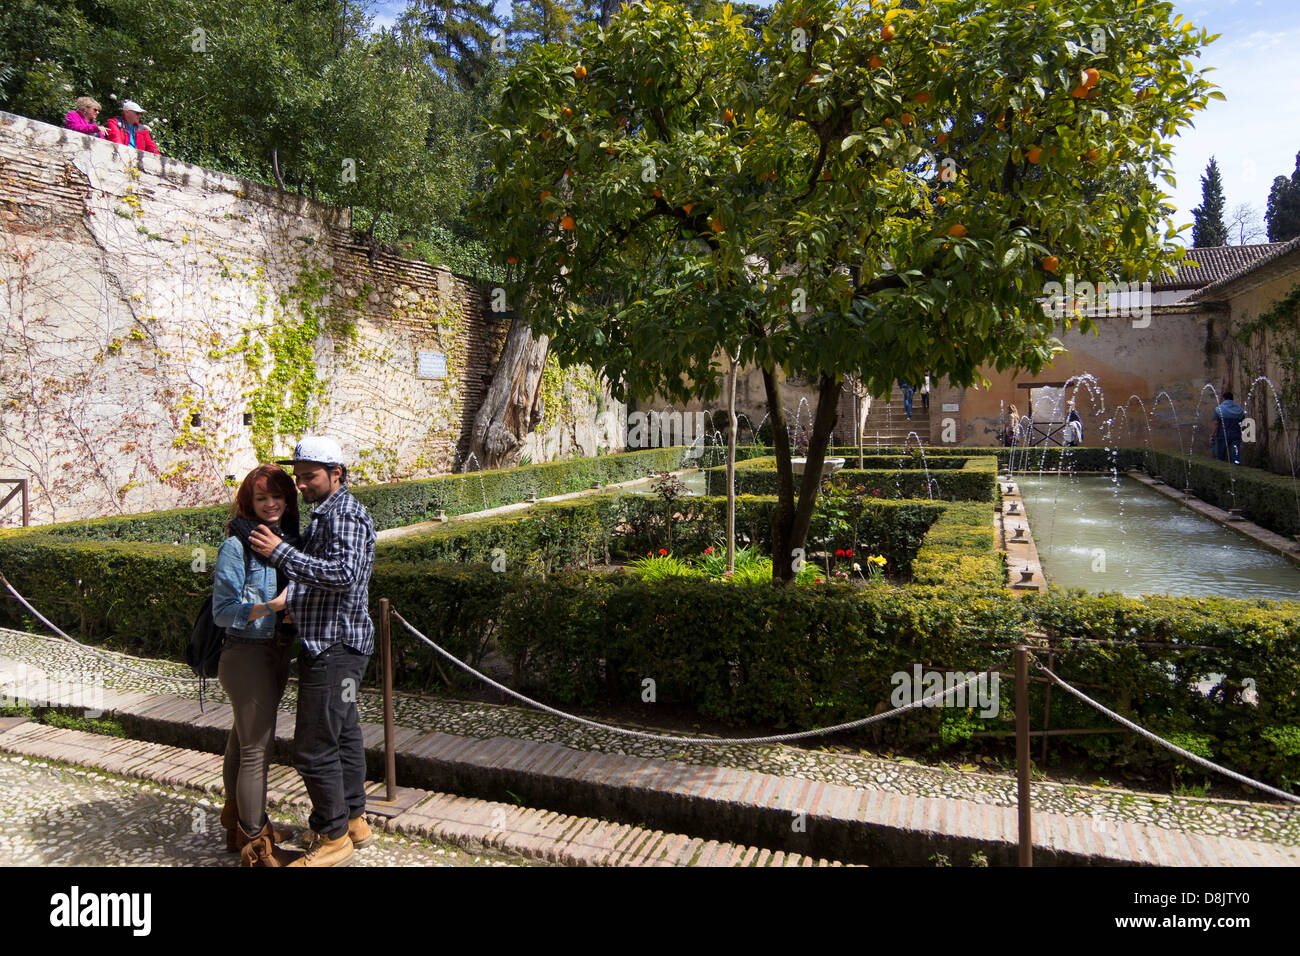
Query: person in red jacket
point(129, 131)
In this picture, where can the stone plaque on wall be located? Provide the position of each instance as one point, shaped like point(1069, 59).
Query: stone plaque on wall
point(432, 365)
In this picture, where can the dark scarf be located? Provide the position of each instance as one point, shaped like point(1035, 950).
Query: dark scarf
point(241, 528)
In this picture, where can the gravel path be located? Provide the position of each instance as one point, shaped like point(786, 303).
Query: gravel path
point(1255, 821)
point(56, 815)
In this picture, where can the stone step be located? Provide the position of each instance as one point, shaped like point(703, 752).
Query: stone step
point(445, 818)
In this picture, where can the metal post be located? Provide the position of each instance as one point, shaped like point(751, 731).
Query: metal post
point(1022, 756)
point(26, 513)
point(386, 649)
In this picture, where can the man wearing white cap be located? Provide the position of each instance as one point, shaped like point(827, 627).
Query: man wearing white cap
point(129, 131)
point(328, 598)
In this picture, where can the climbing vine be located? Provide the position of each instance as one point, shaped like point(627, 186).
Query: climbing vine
point(1275, 333)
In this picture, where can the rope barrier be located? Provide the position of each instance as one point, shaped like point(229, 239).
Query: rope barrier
point(1142, 731)
point(772, 739)
point(90, 650)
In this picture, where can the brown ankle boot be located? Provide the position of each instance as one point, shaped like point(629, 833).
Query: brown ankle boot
point(261, 850)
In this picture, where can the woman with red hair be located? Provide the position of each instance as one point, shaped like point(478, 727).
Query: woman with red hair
point(248, 601)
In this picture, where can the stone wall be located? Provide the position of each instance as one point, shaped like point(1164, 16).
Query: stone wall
point(167, 327)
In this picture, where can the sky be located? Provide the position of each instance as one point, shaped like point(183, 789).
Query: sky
point(1254, 134)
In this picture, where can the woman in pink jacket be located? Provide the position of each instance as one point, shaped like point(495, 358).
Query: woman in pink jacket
point(81, 118)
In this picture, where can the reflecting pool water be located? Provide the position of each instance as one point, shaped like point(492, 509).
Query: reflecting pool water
point(1105, 534)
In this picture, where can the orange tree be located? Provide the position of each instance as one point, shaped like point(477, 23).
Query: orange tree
point(860, 189)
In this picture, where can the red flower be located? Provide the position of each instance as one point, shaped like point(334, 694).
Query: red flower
point(649, 554)
point(709, 549)
point(848, 553)
point(839, 552)
point(663, 551)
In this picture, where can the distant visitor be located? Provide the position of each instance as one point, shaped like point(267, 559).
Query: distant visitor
point(81, 118)
point(1226, 440)
point(129, 131)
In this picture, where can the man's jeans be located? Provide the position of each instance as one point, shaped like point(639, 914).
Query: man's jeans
point(327, 747)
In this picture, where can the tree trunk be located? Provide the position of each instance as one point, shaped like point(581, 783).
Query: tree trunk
point(790, 521)
point(731, 467)
point(511, 407)
point(275, 168)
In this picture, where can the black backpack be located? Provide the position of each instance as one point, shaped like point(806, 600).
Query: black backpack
point(203, 653)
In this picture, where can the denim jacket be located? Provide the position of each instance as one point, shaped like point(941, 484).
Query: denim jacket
point(239, 583)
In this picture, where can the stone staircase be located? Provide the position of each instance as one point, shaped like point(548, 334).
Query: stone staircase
point(887, 423)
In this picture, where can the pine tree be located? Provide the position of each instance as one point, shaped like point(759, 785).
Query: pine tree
point(1209, 228)
point(1283, 212)
point(458, 35)
point(541, 21)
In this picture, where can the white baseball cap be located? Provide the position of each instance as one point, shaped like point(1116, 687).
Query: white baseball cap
point(133, 106)
point(316, 451)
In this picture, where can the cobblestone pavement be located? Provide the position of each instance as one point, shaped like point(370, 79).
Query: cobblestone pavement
point(1269, 823)
point(56, 815)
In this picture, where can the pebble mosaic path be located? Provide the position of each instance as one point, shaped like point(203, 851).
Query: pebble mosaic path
point(1257, 823)
point(57, 814)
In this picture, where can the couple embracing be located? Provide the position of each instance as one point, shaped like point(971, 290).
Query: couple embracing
point(272, 583)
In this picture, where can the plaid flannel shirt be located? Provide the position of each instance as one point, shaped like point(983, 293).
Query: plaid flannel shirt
point(329, 579)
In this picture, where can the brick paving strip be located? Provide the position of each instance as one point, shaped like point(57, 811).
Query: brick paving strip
point(858, 822)
point(443, 818)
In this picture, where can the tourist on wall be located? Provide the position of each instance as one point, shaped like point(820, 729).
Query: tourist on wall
point(925, 395)
point(328, 596)
point(129, 131)
point(81, 118)
point(1226, 440)
point(248, 601)
point(1011, 434)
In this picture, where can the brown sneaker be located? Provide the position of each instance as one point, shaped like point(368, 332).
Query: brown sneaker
point(261, 850)
point(327, 852)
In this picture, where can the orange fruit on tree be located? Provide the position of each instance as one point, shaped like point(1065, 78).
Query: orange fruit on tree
point(579, 71)
point(922, 97)
point(658, 194)
point(940, 200)
point(874, 63)
point(567, 222)
point(1034, 154)
point(611, 150)
point(1091, 155)
point(1051, 263)
point(688, 207)
point(546, 194)
point(957, 229)
point(567, 112)
point(826, 174)
point(512, 259)
point(726, 116)
point(717, 226)
point(906, 119)
point(888, 122)
point(945, 247)
point(941, 139)
point(887, 32)
point(546, 134)
point(1091, 77)
point(1079, 92)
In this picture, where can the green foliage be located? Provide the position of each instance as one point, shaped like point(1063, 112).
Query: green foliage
point(973, 480)
point(1267, 499)
point(1208, 228)
point(1282, 214)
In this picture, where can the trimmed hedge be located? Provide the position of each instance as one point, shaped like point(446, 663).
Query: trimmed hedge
point(1268, 499)
point(974, 480)
point(397, 504)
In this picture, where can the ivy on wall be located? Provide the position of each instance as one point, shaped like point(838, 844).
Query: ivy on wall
point(1276, 333)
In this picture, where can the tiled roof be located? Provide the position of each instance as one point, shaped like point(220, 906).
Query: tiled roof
point(1276, 250)
point(1213, 263)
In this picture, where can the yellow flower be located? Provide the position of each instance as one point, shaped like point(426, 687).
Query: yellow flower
point(877, 559)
